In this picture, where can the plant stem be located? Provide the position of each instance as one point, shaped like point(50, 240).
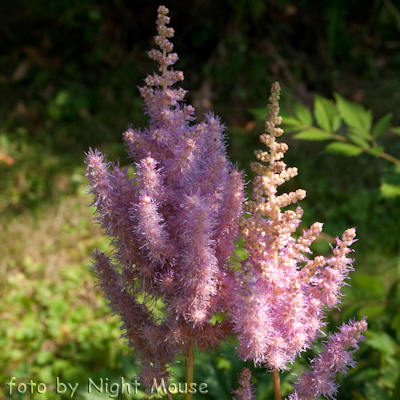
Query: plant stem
point(189, 367)
point(276, 379)
point(272, 200)
point(393, 10)
point(169, 396)
point(394, 160)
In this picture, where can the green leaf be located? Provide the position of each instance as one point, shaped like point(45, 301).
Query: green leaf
point(381, 126)
point(62, 98)
point(303, 114)
point(372, 286)
point(390, 373)
point(395, 324)
point(58, 308)
point(217, 318)
point(259, 113)
point(355, 115)
point(292, 121)
point(395, 130)
point(381, 341)
point(359, 140)
point(285, 113)
point(326, 114)
point(374, 391)
point(53, 327)
point(223, 363)
point(388, 190)
point(44, 357)
point(291, 124)
point(371, 311)
point(45, 374)
point(310, 134)
point(376, 151)
point(346, 149)
point(391, 182)
point(392, 175)
point(241, 253)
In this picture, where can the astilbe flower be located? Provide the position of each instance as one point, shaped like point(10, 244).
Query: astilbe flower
point(282, 294)
point(173, 223)
point(246, 391)
point(335, 358)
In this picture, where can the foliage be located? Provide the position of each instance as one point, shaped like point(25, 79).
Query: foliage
point(30, 176)
point(68, 70)
point(360, 136)
point(52, 322)
point(61, 334)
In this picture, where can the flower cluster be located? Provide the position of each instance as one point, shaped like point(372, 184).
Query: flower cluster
point(173, 225)
point(282, 292)
point(246, 391)
point(334, 358)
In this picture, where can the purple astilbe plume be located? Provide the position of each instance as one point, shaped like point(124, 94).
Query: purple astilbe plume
point(246, 389)
point(334, 358)
point(173, 224)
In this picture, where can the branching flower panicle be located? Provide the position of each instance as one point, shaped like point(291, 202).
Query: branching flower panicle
point(173, 223)
point(282, 294)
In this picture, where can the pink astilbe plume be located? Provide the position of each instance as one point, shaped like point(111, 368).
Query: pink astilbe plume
point(282, 293)
point(173, 223)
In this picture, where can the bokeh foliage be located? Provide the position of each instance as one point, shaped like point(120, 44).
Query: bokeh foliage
point(68, 77)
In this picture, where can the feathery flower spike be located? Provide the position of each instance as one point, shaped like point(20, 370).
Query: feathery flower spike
point(173, 223)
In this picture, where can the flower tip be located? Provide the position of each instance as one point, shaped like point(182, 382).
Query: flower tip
point(163, 10)
point(362, 325)
point(276, 86)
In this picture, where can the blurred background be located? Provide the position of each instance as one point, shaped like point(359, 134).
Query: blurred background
point(69, 71)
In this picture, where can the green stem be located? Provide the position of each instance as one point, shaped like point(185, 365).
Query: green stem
point(341, 138)
point(189, 367)
point(276, 379)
